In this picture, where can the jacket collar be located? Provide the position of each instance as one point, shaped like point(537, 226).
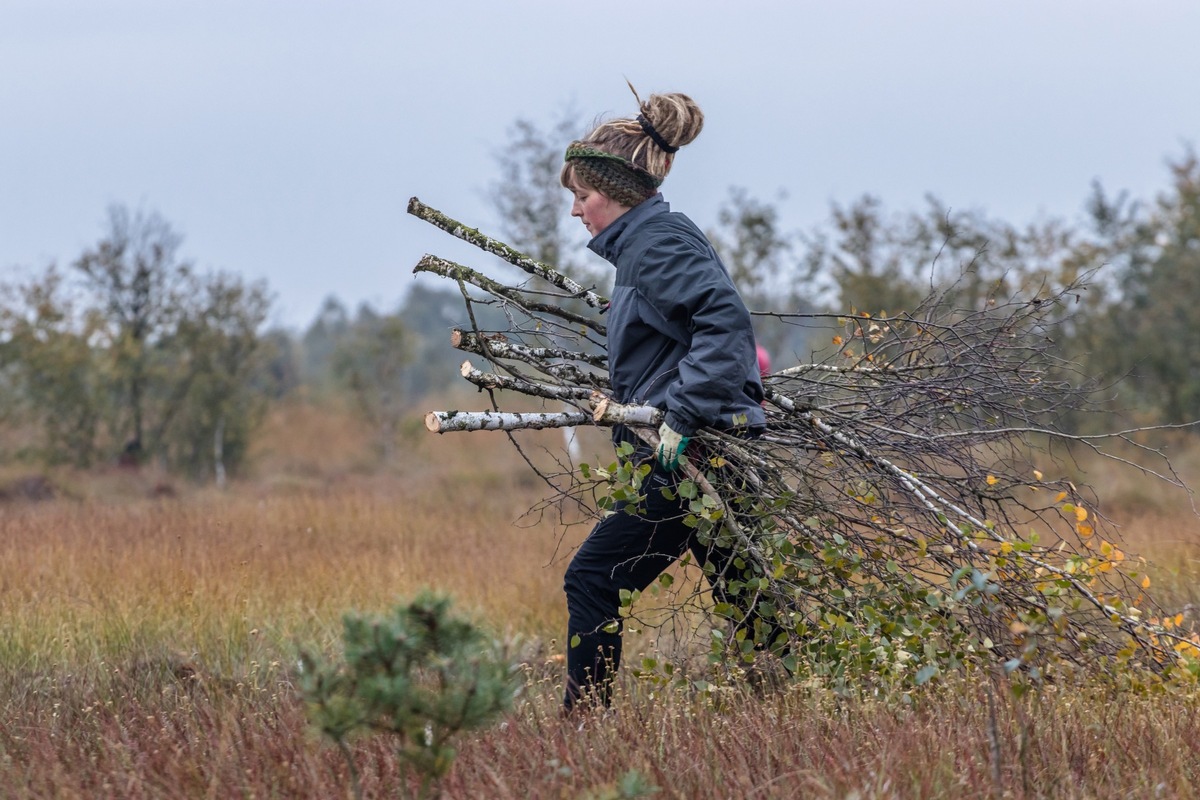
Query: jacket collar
point(609, 243)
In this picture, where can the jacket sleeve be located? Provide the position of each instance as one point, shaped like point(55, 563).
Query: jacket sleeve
point(686, 283)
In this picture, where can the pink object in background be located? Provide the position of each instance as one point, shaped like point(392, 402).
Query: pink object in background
point(764, 361)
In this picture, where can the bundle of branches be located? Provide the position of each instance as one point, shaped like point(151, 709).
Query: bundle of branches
point(891, 521)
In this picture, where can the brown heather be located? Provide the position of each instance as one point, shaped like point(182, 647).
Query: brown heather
point(149, 649)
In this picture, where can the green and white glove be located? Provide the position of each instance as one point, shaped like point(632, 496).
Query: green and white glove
point(670, 447)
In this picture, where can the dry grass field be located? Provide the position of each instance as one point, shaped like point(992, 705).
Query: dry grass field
point(151, 634)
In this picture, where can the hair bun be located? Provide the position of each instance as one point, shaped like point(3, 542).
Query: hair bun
point(675, 116)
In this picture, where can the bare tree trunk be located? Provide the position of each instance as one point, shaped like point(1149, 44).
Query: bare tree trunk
point(219, 452)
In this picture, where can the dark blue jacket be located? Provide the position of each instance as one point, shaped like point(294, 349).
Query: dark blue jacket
point(679, 336)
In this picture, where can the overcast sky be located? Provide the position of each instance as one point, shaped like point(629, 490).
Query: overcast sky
point(283, 139)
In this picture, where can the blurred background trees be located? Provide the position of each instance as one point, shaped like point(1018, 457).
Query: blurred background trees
point(534, 214)
point(369, 363)
point(131, 355)
point(1148, 327)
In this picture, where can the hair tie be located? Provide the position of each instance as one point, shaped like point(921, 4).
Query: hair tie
point(653, 134)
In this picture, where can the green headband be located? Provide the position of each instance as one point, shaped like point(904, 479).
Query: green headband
point(612, 175)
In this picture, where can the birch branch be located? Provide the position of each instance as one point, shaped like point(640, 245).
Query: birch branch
point(506, 252)
point(942, 508)
point(490, 380)
point(497, 347)
point(607, 413)
point(500, 347)
point(464, 421)
point(448, 269)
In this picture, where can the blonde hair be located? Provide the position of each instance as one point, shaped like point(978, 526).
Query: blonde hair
point(675, 117)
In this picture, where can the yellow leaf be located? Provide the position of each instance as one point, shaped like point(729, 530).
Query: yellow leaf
point(1106, 548)
point(1037, 474)
point(1080, 513)
point(992, 480)
point(1084, 529)
point(1179, 619)
point(1118, 555)
point(1146, 582)
point(1006, 548)
point(838, 340)
point(1061, 496)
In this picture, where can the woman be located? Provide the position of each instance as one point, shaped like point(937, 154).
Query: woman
point(679, 338)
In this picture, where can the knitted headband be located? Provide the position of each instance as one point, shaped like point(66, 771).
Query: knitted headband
point(611, 175)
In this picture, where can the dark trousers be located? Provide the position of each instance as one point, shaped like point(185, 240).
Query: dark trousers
point(626, 551)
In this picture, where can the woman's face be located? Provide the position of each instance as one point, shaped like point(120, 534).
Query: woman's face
point(597, 211)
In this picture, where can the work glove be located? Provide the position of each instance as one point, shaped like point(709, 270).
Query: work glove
point(670, 447)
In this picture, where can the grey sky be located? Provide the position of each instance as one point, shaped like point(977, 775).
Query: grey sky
point(283, 139)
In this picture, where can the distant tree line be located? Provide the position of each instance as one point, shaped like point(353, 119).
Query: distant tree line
point(131, 354)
